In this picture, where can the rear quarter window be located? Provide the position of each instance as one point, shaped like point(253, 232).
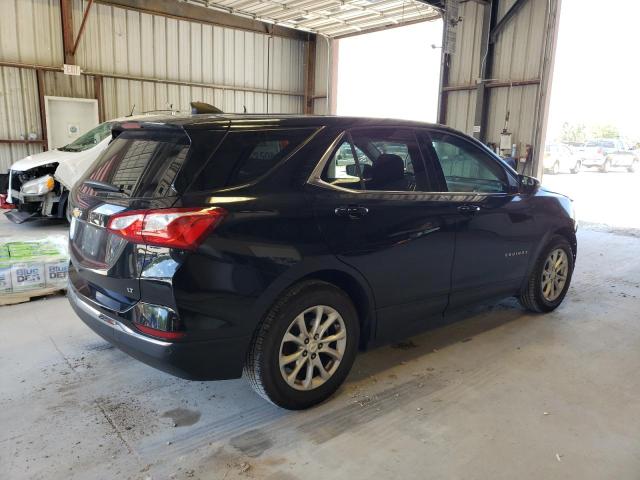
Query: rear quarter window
point(244, 156)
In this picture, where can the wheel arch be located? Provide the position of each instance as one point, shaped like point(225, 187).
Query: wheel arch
point(327, 269)
point(359, 295)
point(570, 235)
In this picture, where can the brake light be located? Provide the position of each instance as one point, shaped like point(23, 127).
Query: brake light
point(183, 228)
point(154, 332)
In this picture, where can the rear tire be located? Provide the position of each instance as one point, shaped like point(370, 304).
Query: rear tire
point(287, 352)
point(577, 167)
point(550, 278)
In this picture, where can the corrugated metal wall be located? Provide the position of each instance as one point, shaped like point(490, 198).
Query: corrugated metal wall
point(19, 114)
point(222, 66)
point(31, 32)
point(518, 55)
point(322, 83)
point(131, 43)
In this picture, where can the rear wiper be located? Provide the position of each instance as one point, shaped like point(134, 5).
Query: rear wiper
point(103, 186)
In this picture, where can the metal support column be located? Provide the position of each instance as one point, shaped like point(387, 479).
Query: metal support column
point(66, 18)
point(99, 94)
point(309, 74)
point(43, 115)
point(486, 68)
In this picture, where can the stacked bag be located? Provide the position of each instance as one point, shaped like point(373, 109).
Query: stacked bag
point(31, 266)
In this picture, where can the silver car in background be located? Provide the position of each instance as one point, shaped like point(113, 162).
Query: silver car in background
point(608, 153)
point(560, 158)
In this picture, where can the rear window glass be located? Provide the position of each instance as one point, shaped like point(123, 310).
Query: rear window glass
point(141, 164)
point(245, 156)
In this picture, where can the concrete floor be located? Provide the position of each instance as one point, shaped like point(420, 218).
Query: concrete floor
point(502, 394)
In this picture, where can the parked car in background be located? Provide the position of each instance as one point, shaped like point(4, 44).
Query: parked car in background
point(608, 153)
point(39, 184)
point(577, 148)
point(209, 245)
point(560, 158)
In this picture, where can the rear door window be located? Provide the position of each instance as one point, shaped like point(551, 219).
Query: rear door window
point(244, 156)
point(388, 159)
point(141, 164)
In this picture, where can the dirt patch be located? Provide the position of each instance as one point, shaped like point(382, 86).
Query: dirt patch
point(182, 417)
point(128, 416)
point(252, 443)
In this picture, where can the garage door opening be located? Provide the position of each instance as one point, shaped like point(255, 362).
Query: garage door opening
point(393, 73)
point(593, 137)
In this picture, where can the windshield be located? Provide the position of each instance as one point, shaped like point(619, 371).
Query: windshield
point(89, 139)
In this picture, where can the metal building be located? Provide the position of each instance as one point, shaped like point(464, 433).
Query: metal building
point(263, 56)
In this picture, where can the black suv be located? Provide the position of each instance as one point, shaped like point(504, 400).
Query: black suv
point(280, 245)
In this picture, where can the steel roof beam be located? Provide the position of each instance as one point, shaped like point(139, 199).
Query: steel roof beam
point(495, 31)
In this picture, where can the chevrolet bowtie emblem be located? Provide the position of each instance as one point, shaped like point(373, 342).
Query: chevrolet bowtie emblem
point(76, 212)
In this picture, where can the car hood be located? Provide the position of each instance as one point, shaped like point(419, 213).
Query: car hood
point(71, 165)
point(39, 159)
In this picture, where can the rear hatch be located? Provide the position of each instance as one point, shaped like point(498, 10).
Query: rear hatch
point(141, 169)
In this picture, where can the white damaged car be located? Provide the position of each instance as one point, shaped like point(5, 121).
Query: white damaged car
point(39, 184)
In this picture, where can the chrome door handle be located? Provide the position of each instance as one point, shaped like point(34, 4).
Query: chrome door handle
point(351, 211)
point(468, 209)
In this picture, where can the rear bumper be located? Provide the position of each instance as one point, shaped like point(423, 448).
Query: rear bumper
point(194, 360)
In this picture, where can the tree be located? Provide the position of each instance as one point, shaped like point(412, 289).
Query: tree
point(606, 131)
point(573, 133)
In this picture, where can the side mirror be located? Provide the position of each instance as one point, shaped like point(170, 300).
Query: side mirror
point(528, 184)
point(352, 170)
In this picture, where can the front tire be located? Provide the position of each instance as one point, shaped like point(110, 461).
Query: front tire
point(304, 348)
point(550, 278)
point(633, 168)
point(606, 166)
point(556, 168)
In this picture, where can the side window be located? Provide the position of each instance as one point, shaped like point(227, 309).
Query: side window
point(388, 159)
point(467, 168)
point(342, 169)
point(244, 156)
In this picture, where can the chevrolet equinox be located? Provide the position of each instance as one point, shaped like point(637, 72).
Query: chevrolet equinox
point(278, 246)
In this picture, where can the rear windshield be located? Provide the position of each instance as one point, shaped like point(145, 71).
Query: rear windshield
point(141, 164)
point(247, 155)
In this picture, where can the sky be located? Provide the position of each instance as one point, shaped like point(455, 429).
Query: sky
point(597, 70)
point(395, 73)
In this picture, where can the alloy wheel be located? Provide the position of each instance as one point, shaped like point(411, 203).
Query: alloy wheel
point(312, 347)
point(554, 274)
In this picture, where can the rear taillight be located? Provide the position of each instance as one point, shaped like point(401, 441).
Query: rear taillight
point(601, 151)
point(158, 321)
point(183, 228)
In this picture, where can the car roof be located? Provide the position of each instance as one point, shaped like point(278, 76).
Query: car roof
point(210, 121)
